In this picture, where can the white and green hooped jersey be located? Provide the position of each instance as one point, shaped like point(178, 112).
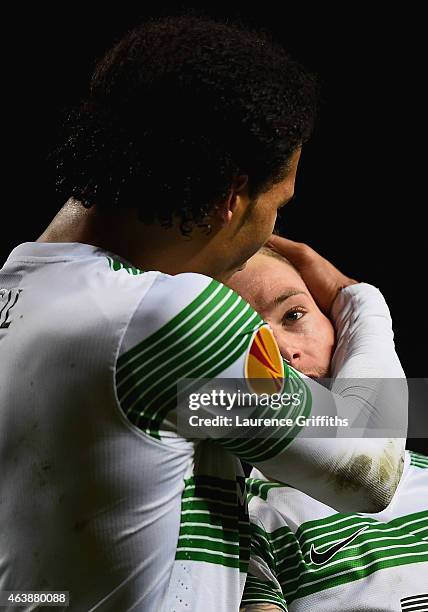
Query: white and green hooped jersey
point(305, 556)
point(100, 495)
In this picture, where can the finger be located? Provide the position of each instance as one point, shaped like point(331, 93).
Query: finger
point(280, 242)
point(294, 251)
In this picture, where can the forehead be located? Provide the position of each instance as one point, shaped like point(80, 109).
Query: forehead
point(265, 278)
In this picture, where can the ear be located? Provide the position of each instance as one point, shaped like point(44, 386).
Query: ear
point(225, 210)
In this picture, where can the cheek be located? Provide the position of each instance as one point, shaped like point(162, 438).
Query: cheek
point(270, 219)
point(326, 339)
point(281, 337)
point(264, 221)
point(256, 232)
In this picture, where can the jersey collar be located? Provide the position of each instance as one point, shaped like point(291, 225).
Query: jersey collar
point(60, 250)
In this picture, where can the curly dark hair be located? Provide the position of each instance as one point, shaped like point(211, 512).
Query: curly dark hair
point(179, 108)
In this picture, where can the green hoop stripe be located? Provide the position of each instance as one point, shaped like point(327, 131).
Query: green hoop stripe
point(418, 460)
point(214, 528)
point(355, 573)
point(381, 545)
point(255, 450)
point(260, 591)
point(116, 265)
point(202, 340)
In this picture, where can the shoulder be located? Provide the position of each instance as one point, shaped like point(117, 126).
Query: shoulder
point(191, 301)
point(174, 293)
point(197, 322)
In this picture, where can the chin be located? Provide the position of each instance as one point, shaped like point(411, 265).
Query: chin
point(317, 374)
point(309, 373)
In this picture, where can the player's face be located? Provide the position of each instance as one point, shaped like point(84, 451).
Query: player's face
point(251, 223)
point(304, 334)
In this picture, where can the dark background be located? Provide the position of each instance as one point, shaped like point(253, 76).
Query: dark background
point(357, 201)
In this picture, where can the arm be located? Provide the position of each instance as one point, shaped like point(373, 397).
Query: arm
point(262, 591)
point(347, 468)
point(365, 365)
point(189, 326)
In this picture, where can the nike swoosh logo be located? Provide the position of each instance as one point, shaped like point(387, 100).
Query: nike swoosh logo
point(319, 558)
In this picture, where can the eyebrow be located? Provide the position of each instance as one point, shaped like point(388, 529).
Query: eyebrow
point(287, 294)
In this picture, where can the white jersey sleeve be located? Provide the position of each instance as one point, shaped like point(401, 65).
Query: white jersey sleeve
point(190, 326)
point(100, 494)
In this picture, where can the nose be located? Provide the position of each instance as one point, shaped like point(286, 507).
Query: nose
point(292, 357)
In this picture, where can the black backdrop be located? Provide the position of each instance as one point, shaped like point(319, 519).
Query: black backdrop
point(356, 194)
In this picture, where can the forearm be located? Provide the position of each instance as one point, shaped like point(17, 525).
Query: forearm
point(364, 336)
point(354, 473)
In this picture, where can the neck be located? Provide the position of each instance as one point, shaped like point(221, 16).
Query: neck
point(148, 247)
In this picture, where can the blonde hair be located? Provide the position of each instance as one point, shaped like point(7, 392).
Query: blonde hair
point(271, 253)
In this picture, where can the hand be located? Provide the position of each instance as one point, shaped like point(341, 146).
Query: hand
point(324, 281)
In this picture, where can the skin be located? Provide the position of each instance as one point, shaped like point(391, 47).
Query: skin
point(306, 339)
point(305, 336)
point(323, 280)
point(239, 228)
